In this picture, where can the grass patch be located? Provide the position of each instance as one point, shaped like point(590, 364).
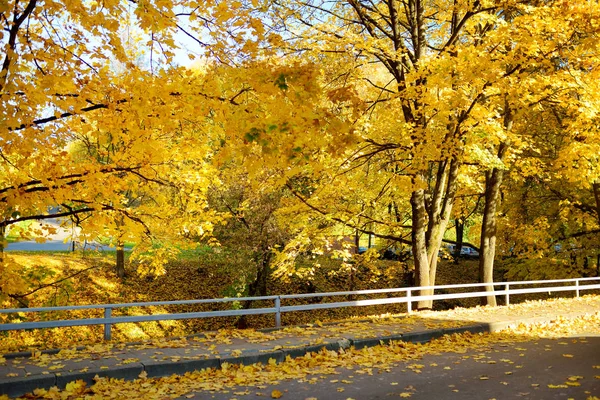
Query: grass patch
point(107, 241)
point(19, 230)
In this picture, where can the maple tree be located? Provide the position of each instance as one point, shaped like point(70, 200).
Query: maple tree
point(453, 80)
point(563, 227)
point(68, 81)
point(127, 151)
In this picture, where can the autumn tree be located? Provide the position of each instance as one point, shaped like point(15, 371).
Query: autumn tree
point(285, 122)
point(551, 211)
point(457, 75)
point(67, 76)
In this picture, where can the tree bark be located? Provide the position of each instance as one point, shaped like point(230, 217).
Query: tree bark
point(120, 259)
point(445, 191)
point(259, 286)
point(460, 234)
point(2, 241)
point(493, 180)
point(419, 245)
point(120, 265)
point(596, 189)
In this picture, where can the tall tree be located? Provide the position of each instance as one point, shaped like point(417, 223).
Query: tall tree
point(447, 65)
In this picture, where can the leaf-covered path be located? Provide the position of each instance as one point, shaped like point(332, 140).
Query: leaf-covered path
point(492, 367)
point(224, 349)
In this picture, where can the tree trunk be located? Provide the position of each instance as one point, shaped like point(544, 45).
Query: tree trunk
point(439, 214)
point(493, 180)
point(262, 276)
point(258, 287)
point(2, 242)
point(120, 267)
point(429, 222)
point(596, 188)
point(460, 234)
point(120, 259)
point(419, 247)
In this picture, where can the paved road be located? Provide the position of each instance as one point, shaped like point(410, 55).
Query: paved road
point(53, 245)
point(523, 371)
point(60, 240)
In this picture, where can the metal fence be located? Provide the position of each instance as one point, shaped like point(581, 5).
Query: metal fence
point(406, 295)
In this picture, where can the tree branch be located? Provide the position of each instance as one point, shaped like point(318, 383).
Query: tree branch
point(346, 223)
point(20, 296)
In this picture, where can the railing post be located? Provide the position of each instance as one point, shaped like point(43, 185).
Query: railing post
point(278, 312)
point(107, 314)
point(576, 287)
point(408, 301)
point(507, 294)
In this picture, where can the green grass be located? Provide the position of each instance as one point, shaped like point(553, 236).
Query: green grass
point(15, 230)
point(105, 241)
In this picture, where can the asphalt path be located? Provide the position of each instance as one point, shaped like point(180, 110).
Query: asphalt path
point(544, 369)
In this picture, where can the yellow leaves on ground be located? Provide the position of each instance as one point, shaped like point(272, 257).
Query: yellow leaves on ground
point(76, 386)
point(571, 381)
point(557, 386)
point(315, 366)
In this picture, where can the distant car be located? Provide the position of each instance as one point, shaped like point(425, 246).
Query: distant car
point(469, 252)
point(465, 251)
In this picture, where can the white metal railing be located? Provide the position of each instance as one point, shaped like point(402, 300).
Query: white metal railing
point(408, 296)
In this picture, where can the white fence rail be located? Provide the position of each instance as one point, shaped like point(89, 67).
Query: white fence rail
point(405, 295)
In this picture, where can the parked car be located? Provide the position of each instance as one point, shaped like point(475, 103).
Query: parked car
point(465, 251)
point(469, 252)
